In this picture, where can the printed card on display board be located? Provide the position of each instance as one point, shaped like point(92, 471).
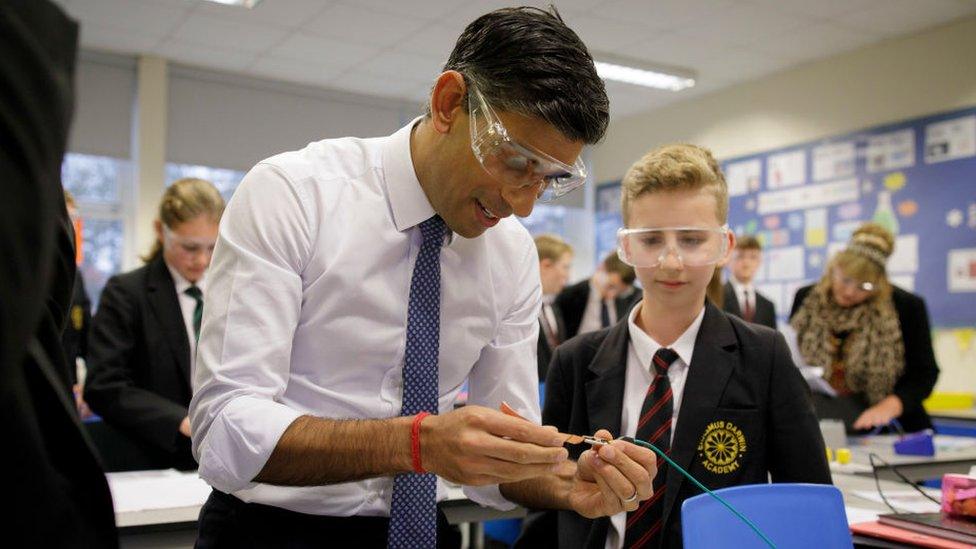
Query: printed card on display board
point(891, 151)
point(787, 263)
point(905, 257)
point(962, 270)
point(950, 139)
point(786, 169)
point(743, 177)
point(808, 196)
point(833, 161)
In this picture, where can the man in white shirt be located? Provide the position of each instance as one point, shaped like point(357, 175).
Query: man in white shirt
point(356, 285)
point(741, 297)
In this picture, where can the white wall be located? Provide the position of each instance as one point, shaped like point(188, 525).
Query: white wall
point(233, 122)
point(927, 73)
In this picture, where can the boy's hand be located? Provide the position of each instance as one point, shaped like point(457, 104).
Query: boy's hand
point(612, 478)
point(478, 446)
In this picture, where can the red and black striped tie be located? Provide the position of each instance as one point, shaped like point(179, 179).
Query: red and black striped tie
point(644, 525)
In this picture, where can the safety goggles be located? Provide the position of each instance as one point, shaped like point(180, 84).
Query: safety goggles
point(691, 246)
point(852, 283)
point(186, 245)
point(513, 163)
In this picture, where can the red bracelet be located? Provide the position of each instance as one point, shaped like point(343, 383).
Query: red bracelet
point(415, 442)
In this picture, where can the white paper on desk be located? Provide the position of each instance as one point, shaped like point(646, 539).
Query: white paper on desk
point(907, 501)
point(162, 489)
point(860, 514)
point(813, 375)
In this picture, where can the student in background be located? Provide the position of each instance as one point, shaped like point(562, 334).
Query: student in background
point(555, 262)
point(601, 300)
point(721, 395)
point(74, 339)
point(741, 297)
point(145, 331)
point(871, 337)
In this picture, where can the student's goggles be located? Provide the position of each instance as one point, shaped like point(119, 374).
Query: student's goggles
point(513, 163)
point(188, 245)
point(691, 246)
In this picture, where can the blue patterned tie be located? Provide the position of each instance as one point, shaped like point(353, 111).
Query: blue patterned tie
point(413, 513)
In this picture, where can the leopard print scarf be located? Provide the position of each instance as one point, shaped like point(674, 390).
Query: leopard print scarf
point(874, 354)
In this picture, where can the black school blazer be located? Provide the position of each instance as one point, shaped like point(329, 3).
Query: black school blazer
point(139, 363)
point(741, 383)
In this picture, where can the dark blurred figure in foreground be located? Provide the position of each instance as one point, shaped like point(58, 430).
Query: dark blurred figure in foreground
point(60, 493)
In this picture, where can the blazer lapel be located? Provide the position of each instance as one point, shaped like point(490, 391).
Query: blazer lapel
point(713, 362)
point(166, 308)
point(605, 388)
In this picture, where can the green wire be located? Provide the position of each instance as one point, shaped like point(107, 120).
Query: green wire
point(687, 475)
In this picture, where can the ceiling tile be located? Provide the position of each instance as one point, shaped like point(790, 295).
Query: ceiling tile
point(422, 9)
point(135, 16)
point(675, 49)
point(813, 42)
point(230, 35)
point(190, 54)
point(371, 84)
point(660, 14)
point(601, 34)
point(363, 26)
point(743, 24)
point(436, 39)
point(314, 72)
point(899, 17)
point(735, 65)
point(336, 53)
point(100, 37)
point(403, 66)
point(823, 9)
point(285, 13)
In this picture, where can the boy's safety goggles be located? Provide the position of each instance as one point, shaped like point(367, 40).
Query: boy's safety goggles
point(691, 246)
point(513, 163)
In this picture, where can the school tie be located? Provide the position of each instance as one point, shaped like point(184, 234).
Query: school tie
point(644, 524)
point(413, 513)
point(604, 314)
point(197, 295)
point(748, 313)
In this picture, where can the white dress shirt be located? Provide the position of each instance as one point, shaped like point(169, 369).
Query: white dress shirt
point(307, 314)
point(640, 353)
point(591, 320)
point(187, 306)
point(741, 294)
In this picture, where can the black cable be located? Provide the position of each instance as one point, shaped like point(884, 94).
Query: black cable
point(877, 482)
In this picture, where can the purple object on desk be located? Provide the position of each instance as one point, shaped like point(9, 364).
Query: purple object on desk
point(918, 444)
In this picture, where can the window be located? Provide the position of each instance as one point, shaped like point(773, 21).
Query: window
point(225, 180)
point(98, 184)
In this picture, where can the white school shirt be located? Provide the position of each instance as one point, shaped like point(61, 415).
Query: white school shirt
point(740, 294)
point(591, 320)
point(187, 306)
point(640, 353)
point(306, 313)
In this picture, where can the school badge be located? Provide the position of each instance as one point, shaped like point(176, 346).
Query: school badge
point(77, 317)
point(721, 446)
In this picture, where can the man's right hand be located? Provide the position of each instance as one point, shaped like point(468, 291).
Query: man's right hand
point(476, 446)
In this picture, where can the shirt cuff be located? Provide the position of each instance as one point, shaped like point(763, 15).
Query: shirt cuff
point(488, 496)
point(240, 441)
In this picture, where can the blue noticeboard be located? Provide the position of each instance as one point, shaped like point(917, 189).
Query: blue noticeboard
point(916, 177)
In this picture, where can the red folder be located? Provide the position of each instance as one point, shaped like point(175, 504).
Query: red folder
point(877, 530)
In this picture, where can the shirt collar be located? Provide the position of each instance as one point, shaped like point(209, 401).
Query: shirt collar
point(407, 198)
point(739, 286)
point(646, 347)
point(181, 283)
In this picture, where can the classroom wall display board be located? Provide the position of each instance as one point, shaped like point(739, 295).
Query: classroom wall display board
point(916, 177)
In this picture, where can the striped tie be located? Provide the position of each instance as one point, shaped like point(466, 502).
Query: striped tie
point(644, 524)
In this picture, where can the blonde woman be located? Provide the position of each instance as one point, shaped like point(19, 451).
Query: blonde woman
point(872, 338)
point(144, 336)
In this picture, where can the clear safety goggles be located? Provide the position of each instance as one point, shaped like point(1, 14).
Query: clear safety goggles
point(513, 163)
point(691, 246)
point(186, 245)
point(852, 283)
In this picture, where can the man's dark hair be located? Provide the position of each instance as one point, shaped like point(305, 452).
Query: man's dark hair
point(527, 61)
